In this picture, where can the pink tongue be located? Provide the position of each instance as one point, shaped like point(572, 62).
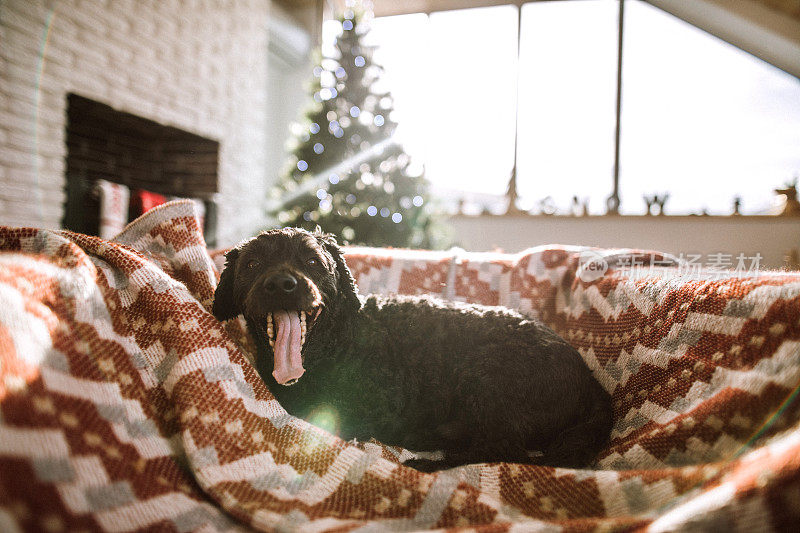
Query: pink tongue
point(288, 362)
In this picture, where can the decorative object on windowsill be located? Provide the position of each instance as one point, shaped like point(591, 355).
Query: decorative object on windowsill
point(791, 207)
point(612, 205)
point(791, 261)
point(648, 201)
point(737, 205)
point(347, 172)
point(512, 196)
point(547, 206)
point(580, 207)
point(661, 201)
point(656, 201)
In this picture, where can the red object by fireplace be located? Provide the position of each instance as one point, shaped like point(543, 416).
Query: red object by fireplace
point(143, 201)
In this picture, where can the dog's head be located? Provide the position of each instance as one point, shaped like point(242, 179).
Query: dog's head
point(285, 281)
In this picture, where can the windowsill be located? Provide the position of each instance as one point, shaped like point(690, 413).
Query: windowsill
point(774, 237)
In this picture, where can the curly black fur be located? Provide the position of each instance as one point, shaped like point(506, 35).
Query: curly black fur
point(480, 383)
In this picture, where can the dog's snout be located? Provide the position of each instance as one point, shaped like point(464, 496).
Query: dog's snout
point(283, 282)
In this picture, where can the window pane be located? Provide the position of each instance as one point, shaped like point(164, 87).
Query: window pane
point(473, 59)
point(454, 88)
point(702, 119)
point(567, 102)
point(405, 69)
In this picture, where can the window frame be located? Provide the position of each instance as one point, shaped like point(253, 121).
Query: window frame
point(759, 31)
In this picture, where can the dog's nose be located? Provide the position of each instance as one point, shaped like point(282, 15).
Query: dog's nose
point(283, 282)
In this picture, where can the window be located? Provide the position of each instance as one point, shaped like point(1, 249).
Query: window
point(701, 119)
point(454, 84)
point(567, 104)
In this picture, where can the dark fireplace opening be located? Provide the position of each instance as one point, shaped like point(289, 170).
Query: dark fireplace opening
point(153, 162)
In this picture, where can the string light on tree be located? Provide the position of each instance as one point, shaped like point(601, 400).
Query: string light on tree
point(348, 173)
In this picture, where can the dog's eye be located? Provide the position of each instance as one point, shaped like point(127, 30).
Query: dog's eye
point(312, 262)
point(252, 264)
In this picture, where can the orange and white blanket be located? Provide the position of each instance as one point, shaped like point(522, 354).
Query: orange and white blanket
point(125, 405)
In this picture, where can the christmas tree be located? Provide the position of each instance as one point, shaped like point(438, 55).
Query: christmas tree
point(348, 174)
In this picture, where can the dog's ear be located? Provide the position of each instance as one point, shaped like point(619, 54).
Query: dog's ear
point(225, 307)
point(346, 284)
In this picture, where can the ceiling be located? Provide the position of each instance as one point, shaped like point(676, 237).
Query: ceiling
point(768, 29)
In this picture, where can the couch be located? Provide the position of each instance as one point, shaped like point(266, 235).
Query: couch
point(125, 405)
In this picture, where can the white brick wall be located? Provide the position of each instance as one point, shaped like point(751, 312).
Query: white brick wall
point(199, 65)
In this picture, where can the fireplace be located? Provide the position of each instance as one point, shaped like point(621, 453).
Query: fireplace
point(106, 144)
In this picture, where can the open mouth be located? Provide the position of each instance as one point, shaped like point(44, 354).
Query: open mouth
point(286, 332)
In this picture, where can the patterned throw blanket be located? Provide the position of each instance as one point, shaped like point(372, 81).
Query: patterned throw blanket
point(125, 405)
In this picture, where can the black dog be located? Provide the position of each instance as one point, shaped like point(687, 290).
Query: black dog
point(480, 383)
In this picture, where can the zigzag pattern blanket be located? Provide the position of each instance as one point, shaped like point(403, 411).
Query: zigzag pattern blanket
point(125, 405)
